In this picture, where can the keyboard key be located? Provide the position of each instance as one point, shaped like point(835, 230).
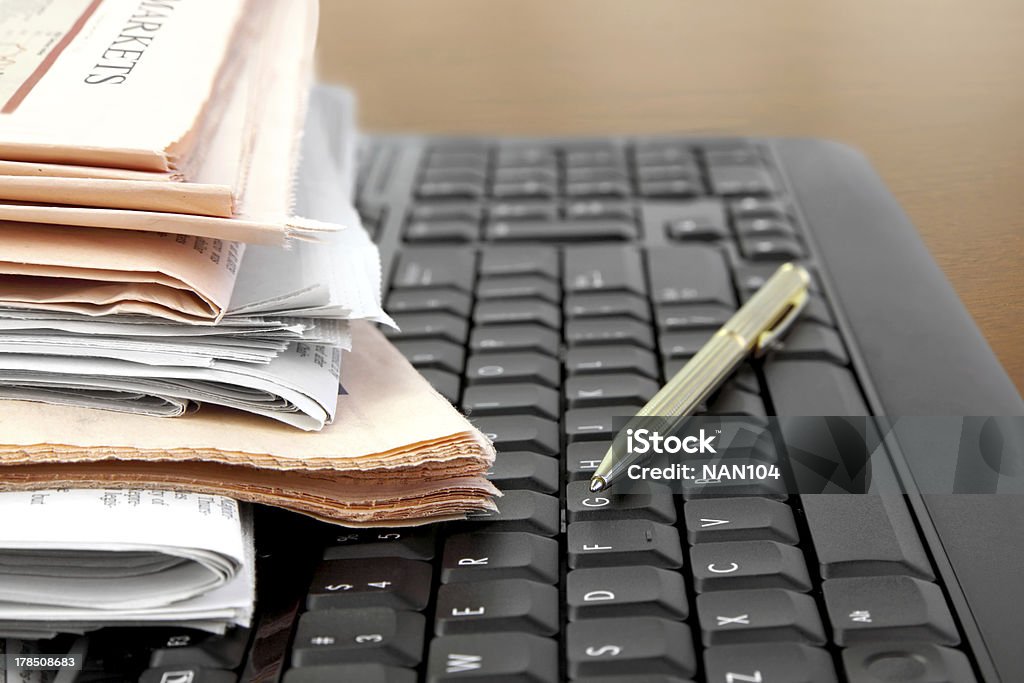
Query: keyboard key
point(604, 304)
point(913, 662)
point(593, 175)
point(585, 391)
point(641, 501)
point(520, 433)
point(512, 211)
point(748, 564)
point(758, 207)
point(522, 366)
point(528, 189)
point(518, 287)
point(518, 311)
point(500, 605)
point(714, 520)
point(458, 158)
point(413, 543)
point(386, 582)
point(602, 269)
point(480, 556)
point(371, 634)
point(732, 154)
point(561, 231)
point(888, 608)
point(765, 227)
point(616, 189)
point(674, 317)
point(599, 209)
point(610, 330)
point(751, 276)
point(522, 175)
point(215, 652)
point(364, 673)
point(442, 231)
point(699, 220)
point(740, 180)
point(528, 511)
point(732, 400)
point(648, 173)
point(190, 673)
point(583, 457)
point(864, 535)
point(485, 658)
point(813, 388)
point(624, 542)
point(772, 488)
point(434, 325)
point(519, 260)
point(818, 311)
point(694, 273)
point(629, 646)
point(525, 157)
point(433, 353)
point(758, 616)
point(772, 249)
point(682, 188)
point(505, 399)
point(590, 424)
point(445, 383)
point(663, 152)
point(811, 341)
point(430, 300)
point(529, 337)
point(768, 663)
point(447, 211)
point(449, 267)
point(583, 360)
point(595, 155)
point(626, 592)
point(450, 190)
point(525, 470)
point(684, 344)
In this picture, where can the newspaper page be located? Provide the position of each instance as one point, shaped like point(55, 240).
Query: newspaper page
point(68, 65)
point(242, 174)
point(300, 386)
point(100, 272)
point(81, 559)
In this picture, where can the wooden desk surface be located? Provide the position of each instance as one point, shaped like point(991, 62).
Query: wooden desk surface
point(931, 90)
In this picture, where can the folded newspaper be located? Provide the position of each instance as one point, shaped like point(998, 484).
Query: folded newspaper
point(397, 452)
point(154, 116)
point(158, 324)
point(78, 560)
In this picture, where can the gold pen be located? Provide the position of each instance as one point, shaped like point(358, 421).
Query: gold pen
point(754, 328)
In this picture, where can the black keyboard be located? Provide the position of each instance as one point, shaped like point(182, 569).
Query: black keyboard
point(545, 288)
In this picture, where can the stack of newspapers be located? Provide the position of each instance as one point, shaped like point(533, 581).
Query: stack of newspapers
point(151, 255)
point(176, 309)
point(187, 316)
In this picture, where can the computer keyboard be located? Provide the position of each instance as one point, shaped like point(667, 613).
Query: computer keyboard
point(547, 287)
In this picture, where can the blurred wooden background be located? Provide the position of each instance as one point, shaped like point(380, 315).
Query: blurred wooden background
point(931, 90)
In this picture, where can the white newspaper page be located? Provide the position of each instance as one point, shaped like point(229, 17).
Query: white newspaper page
point(96, 557)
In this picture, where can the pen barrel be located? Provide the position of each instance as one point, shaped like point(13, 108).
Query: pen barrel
point(755, 327)
point(699, 378)
point(678, 399)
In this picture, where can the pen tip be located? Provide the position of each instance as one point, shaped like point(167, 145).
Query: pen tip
point(597, 484)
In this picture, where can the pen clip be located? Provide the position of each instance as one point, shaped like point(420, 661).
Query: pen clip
point(769, 338)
